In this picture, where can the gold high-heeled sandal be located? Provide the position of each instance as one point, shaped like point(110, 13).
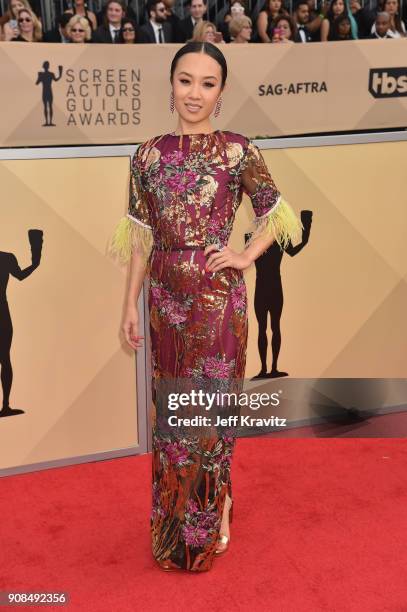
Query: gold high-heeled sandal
point(224, 539)
point(164, 565)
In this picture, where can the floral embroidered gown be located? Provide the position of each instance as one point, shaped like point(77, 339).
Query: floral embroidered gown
point(184, 194)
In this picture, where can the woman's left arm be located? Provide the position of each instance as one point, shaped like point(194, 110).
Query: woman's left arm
point(274, 219)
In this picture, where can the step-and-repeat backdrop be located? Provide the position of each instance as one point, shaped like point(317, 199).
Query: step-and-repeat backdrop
point(54, 94)
point(345, 289)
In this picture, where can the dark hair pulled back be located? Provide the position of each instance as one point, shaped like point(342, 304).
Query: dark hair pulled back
point(201, 47)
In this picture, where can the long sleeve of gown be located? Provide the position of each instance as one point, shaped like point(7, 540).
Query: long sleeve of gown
point(273, 214)
point(134, 231)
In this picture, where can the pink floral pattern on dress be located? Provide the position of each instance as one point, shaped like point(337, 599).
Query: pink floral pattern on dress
point(216, 367)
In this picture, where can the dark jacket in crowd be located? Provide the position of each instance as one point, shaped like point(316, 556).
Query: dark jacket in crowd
point(174, 22)
point(146, 33)
point(52, 36)
point(102, 35)
point(308, 36)
point(184, 30)
point(365, 18)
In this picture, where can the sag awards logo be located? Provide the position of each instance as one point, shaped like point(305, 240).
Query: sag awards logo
point(92, 96)
point(388, 82)
point(281, 89)
point(45, 79)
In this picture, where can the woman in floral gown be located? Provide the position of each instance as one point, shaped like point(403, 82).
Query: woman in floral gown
point(185, 189)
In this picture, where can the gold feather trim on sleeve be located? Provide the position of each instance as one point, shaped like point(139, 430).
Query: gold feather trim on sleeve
point(281, 222)
point(128, 236)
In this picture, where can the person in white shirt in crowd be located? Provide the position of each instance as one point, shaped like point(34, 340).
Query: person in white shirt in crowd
point(79, 29)
point(157, 29)
point(240, 29)
point(109, 31)
point(397, 27)
point(382, 29)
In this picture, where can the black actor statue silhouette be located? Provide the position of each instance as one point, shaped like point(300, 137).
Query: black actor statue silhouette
point(268, 296)
point(45, 78)
point(9, 266)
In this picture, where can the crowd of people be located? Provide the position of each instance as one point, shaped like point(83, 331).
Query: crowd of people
point(117, 23)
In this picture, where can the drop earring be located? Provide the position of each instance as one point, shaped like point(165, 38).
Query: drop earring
point(218, 107)
point(172, 102)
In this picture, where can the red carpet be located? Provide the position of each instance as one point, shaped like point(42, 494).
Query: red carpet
point(318, 525)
